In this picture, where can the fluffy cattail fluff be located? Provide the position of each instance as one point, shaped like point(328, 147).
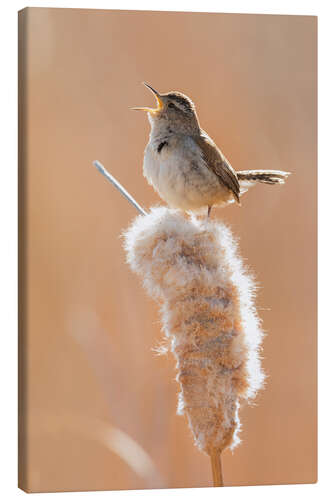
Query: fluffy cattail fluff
point(191, 266)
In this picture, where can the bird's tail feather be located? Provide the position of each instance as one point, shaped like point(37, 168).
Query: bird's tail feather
point(265, 176)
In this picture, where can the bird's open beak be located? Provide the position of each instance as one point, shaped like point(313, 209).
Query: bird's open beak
point(158, 99)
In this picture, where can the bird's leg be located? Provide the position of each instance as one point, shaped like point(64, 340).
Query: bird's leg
point(209, 209)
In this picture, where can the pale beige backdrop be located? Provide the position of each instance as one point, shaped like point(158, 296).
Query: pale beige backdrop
point(100, 407)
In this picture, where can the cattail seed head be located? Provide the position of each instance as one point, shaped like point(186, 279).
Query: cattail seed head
point(192, 267)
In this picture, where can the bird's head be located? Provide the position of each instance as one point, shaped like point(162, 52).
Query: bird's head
point(174, 110)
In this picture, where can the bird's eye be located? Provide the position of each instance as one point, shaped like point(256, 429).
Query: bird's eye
point(171, 105)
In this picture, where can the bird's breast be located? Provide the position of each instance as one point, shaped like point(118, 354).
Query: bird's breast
point(174, 166)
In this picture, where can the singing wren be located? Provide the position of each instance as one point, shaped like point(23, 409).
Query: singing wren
point(183, 163)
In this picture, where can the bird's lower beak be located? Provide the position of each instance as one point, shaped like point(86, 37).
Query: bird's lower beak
point(158, 99)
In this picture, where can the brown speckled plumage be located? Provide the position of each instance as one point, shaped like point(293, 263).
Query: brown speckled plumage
point(192, 173)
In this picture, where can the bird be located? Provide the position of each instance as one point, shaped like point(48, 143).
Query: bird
point(185, 166)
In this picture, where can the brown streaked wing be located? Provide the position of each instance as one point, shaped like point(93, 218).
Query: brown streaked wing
point(216, 162)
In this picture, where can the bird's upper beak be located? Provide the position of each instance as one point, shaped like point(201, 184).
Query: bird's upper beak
point(158, 99)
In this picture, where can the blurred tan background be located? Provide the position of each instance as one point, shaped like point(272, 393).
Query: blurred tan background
point(100, 406)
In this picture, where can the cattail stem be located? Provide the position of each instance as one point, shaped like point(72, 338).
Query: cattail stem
point(117, 185)
point(191, 266)
point(216, 464)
